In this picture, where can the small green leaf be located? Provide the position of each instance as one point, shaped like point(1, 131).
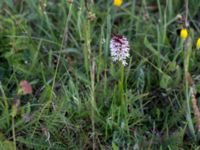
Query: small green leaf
point(165, 81)
point(172, 66)
point(9, 3)
point(152, 49)
point(114, 146)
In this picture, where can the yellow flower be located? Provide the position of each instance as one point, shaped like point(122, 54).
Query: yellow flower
point(117, 2)
point(184, 33)
point(198, 43)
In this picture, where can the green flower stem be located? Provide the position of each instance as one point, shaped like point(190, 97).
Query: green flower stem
point(187, 54)
point(13, 133)
point(123, 102)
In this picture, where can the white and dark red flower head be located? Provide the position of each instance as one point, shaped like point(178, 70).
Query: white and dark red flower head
point(119, 48)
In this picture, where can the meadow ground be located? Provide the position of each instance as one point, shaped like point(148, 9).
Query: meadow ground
point(60, 88)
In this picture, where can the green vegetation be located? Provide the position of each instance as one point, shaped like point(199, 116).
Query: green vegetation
point(80, 98)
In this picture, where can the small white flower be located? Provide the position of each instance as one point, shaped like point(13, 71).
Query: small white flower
point(119, 48)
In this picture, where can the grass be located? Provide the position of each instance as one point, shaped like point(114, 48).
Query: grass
point(81, 99)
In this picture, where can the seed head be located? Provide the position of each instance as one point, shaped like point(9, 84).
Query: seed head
point(70, 1)
point(91, 16)
point(119, 48)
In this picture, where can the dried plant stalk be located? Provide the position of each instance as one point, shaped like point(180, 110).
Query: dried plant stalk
point(194, 100)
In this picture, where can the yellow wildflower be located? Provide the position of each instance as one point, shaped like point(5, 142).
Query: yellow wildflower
point(198, 43)
point(184, 33)
point(117, 2)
